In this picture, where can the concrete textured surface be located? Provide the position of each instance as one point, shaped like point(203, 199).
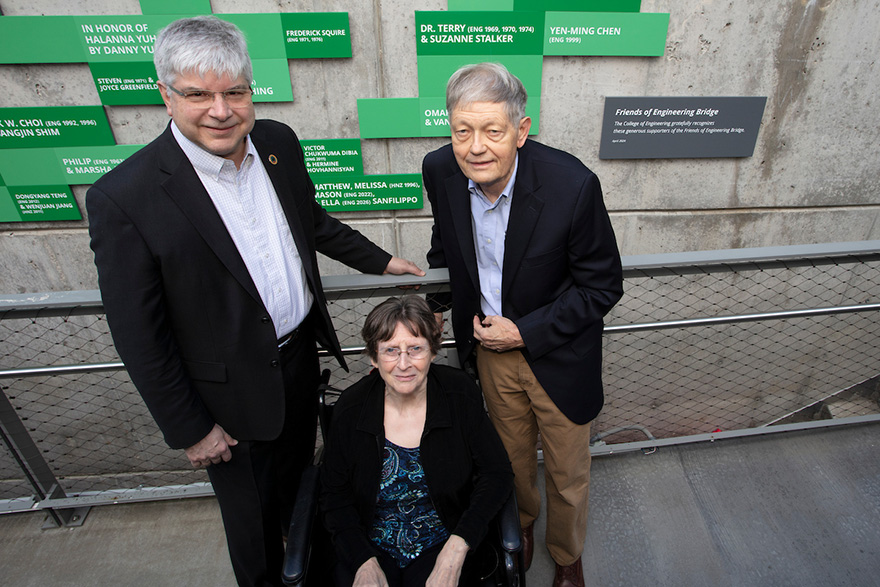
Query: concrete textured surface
point(797, 508)
point(158, 543)
point(813, 177)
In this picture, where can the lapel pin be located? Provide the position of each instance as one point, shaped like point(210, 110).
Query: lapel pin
point(273, 159)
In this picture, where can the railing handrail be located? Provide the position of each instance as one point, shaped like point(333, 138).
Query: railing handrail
point(756, 255)
point(450, 343)
point(346, 286)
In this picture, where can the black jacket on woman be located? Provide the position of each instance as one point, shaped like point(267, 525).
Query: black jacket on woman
point(466, 467)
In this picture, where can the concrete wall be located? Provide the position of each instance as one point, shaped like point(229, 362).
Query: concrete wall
point(813, 177)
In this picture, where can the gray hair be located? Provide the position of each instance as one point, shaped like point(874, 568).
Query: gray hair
point(200, 45)
point(487, 82)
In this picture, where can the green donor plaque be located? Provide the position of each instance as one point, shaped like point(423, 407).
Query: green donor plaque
point(371, 192)
point(605, 33)
point(40, 39)
point(125, 83)
point(129, 38)
point(84, 165)
point(579, 5)
point(316, 34)
point(54, 126)
point(182, 7)
point(333, 158)
point(271, 81)
point(67, 165)
point(40, 203)
point(469, 33)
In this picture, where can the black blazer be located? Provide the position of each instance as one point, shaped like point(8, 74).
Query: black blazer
point(561, 271)
point(185, 314)
point(466, 467)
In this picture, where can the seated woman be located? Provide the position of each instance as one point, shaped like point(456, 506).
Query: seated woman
point(413, 470)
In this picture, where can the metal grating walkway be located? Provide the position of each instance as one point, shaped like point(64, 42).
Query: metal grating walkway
point(795, 508)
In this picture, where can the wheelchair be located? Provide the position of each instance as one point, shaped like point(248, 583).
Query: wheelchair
point(308, 560)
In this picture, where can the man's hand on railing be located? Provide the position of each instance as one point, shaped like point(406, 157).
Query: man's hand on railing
point(212, 449)
point(398, 266)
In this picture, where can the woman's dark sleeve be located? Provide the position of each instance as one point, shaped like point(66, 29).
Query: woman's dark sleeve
point(338, 500)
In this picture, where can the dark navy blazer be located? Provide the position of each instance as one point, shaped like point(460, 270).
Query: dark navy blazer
point(561, 271)
point(185, 315)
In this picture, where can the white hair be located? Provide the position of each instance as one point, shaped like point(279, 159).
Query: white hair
point(200, 45)
point(487, 82)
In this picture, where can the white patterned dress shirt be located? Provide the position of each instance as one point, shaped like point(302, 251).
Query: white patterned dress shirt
point(248, 205)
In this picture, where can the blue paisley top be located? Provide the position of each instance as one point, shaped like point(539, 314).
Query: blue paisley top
point(406, 523)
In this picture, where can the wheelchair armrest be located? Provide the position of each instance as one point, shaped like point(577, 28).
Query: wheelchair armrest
point(296, 558)
point(508, 525)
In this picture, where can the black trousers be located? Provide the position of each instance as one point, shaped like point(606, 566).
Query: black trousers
point(256, 489)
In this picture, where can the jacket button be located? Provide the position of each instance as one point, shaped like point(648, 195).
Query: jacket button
point(264, 319)
point(274, 363)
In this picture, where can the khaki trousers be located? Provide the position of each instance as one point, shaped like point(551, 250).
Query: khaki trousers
point(520, 408)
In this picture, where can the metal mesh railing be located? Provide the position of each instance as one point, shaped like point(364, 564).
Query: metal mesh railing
point(774, 368)
point(92, 428)
point(96, 433)
point(664, 376)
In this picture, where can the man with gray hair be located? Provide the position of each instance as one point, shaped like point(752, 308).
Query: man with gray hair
point(534, 268)
point(205, 242)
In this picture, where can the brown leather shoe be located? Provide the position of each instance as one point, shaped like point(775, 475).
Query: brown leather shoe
point(570, 576)
point(528, 545)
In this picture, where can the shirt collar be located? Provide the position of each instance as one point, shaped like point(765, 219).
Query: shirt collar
point(208, 163)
